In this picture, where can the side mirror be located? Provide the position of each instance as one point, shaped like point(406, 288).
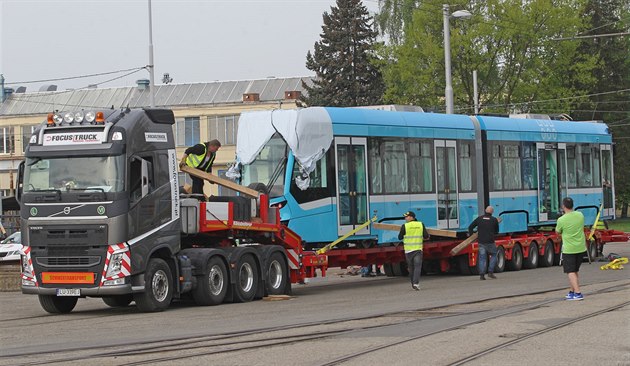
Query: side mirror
point(20, 182)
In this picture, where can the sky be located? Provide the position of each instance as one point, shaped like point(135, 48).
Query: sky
point(193, 41)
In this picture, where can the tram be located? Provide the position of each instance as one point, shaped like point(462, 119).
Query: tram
point(330, 170)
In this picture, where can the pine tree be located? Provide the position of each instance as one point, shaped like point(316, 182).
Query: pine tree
point(344, 59)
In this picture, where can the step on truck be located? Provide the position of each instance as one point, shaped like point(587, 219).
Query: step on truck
point(102, 216)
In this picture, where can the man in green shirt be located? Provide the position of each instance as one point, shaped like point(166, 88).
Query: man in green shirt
point(571, 227)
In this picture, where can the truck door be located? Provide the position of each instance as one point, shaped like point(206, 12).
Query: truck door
point(607, 181)
point(352, 193)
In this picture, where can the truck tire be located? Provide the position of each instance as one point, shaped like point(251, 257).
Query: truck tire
point(58, 304)
point(119, 301)
point(547, 259)
point(592, 249)
point(247, 278)
point(462, 265)
point(500, 266)
point(400, 269)
point(389, 271)
point(516, 263)
point(531, 261)
point(277, 274)
point(212, 287)
point(158, 287)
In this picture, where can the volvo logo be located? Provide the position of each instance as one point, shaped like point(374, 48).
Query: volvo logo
point(66, 210)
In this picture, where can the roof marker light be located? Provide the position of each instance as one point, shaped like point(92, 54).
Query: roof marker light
point(50, 121)
point(100, 118)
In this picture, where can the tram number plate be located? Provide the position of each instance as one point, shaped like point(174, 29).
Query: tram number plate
point(68, 292)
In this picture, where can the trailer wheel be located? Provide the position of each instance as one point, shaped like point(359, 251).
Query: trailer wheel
point(547, 259)
point(389, 271)
point(212, 287)
point(516, 263)
point(592, 249)
point(531, 261)
point(400, 269)
point(119, 301)
point(246, 279)
point(500, 266)
point(158, 287)
point(277, 274)
point(56, 304)
point(462, 265)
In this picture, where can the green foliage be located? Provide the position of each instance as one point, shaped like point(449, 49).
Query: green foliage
point(510, 43)
point(344, 59)
point(394, 16)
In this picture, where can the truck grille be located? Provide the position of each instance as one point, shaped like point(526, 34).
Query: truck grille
point(68, 261)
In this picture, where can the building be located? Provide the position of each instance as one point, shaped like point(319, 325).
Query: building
point(203, 111)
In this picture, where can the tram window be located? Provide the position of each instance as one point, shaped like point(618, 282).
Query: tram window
point(596, 166)
point(571, 166)
point(511, 167)
point(395, 166)
point(584, 166)
point(375, 162)
point(530, 180)
point(322, 181)
point(465, 167)
point(495, 159)
point(420, 167)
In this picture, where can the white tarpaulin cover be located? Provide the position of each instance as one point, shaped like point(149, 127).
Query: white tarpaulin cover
point(308, 132)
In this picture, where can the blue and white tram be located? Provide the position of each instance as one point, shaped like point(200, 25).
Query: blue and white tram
point(446, 168)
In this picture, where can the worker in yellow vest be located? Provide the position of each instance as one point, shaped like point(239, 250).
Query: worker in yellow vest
point(413, 233)
point(200, 156)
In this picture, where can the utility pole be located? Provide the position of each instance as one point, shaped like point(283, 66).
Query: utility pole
point(151, 66)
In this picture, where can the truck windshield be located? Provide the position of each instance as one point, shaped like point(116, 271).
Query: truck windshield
point(104, 174)
point(268, 168)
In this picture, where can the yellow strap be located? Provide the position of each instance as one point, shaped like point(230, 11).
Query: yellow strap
point(332, 245)
point(616, 264)
point(590, 235)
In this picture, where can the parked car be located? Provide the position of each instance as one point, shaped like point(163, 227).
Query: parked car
point(11, 247)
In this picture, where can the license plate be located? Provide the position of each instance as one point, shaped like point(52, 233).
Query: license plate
point(68, 292)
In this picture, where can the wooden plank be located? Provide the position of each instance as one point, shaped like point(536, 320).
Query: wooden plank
point(433, 232)
point(464, 244)
point(220, 181)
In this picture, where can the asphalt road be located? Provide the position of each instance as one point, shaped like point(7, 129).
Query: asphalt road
point(444, 323)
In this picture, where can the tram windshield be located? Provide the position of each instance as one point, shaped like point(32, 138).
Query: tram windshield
point(268, 168)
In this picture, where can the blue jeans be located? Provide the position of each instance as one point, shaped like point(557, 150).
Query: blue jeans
point(414, 265)
point(482, 259)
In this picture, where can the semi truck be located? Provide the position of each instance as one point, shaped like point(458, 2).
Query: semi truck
point(102, 216)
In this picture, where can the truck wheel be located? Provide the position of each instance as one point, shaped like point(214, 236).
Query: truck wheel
point(56, 304)
point(592, 249)
point(158, 287)
point(500, 266)
point(119, 301)
point(400, 269)
point(246, 279)
point(462, 265)
point(516, 263)
point(531, 261)
point(547, 259)
point(276, 274)
point(212, 287)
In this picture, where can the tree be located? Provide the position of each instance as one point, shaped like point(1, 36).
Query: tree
point(612, 73)
point(394, 16)
point(509, 42)
point(344, 59)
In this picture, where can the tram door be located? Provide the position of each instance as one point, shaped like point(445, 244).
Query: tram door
point(552, 179)
point(352, 192)
point(446, 182)
point(607, 181)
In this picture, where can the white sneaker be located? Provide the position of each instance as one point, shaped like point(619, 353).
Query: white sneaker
point(416, 286)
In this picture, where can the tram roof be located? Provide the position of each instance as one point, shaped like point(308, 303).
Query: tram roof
point(362, 116)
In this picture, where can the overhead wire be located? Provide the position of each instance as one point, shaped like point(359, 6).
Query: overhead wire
point(73, 77)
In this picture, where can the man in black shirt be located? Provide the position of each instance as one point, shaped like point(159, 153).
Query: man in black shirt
point(487, 227)
point(200, 156)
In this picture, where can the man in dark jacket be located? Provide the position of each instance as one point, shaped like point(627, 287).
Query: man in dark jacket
point(487, 228)
point(200, 156)
point(413, 233)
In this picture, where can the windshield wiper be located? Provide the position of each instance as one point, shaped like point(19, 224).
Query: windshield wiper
point(86, 189)
point(47, 197)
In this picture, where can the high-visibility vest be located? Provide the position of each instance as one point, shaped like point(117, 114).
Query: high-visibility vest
point(197, 160)
point(413, 236)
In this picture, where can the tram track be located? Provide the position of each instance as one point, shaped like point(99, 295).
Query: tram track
point(170, 349)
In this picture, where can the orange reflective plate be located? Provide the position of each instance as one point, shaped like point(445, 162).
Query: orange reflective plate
point(68, 277)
